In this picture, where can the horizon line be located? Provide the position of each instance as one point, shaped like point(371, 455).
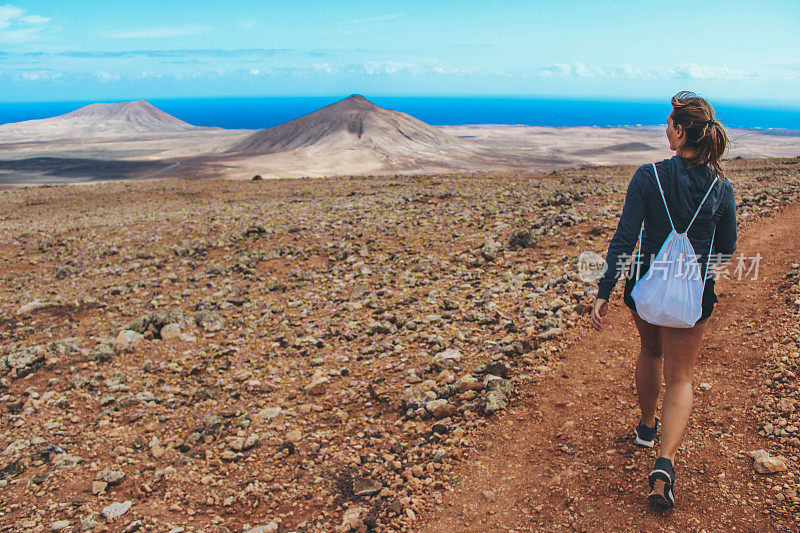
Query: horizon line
point(585, 98)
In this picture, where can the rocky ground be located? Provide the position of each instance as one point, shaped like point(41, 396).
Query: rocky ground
point(301, 355)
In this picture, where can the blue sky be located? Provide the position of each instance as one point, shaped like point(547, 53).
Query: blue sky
point(101, 50)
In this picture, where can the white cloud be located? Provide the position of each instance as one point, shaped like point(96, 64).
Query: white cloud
point(16, 27)
point(35, 19)
point(156, 32)
point(372, 68)
point(571, 69)
point(324, 68)
point(627, 71)
point(7, 14)
point(388, 67)
point(710, 72)
point(148, 74)
point(105, 76)
point(38, 75)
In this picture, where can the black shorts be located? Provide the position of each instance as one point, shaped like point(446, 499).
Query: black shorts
point(709, 296)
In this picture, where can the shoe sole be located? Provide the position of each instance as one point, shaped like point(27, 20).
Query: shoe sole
point(660, 501)
point(666, 500)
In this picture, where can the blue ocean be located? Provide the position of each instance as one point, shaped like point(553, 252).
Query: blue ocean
point(264, 112)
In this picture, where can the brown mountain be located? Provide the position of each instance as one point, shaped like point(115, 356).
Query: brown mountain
point(123, 119)
point(354, 123)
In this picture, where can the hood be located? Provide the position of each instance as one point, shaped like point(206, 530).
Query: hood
point(687, 189)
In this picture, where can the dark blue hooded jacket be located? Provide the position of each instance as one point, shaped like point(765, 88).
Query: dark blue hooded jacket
point(684, 187)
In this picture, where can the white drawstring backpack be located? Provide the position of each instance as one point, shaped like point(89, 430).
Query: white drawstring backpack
point(675, 297)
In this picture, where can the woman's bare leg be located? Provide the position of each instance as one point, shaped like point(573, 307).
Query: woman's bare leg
point(680, 348)
point(648, 369)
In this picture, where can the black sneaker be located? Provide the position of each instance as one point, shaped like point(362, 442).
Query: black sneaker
point(645, 435)
point(663, 472)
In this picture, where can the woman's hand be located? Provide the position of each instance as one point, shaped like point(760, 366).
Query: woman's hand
point(599, 313)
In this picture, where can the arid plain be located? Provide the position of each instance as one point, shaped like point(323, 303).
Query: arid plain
point(349, 137)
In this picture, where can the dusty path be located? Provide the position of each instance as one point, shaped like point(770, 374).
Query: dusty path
point(562, 458)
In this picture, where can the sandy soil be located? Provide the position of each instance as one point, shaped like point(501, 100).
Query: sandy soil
point(369, 353)
point(202, 152)
point(617, 146)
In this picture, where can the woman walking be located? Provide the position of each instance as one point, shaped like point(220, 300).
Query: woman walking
point(688, 194)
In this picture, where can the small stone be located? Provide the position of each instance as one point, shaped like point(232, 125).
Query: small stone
point(26, 358)
point(88, 523)
point(115, 510)
point(268, 413)
point(489, 252)
point(209, 321)
point(112, 477)
point(440, 408)
point(272, 527)
point(293, 436)
point(317, 385)
point(469, 383)
point(351, 520)
point(98, 486)
point(59, 525)
point(16, 446)
point(447, 358)
point(493, 402)
point(128, 340)
point(171, 331)
point(365, 487)
point(764, 463)
point(157, 451)
point(551, 333)
point(229, 455)
point(489, 495)
point(133, 526)
point(439, 455)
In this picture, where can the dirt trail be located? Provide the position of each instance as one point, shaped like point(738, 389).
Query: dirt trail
point(562, 458)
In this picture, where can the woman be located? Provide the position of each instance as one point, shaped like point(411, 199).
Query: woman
point(691, 176)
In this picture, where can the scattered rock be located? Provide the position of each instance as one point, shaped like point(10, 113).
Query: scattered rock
point(764, 463)
point(352, 520)
point(25, 360)
point(317, 385)
point(60, 525)
point(272, 527)
point(115, 510)
point(209, 321)
point(365, 487)
point(447, 358)
point(171, 331)
point(496, 397)
point(127, 341)
point(112, 477)
point(103, 352)
point(88, 523)
point(551, 333)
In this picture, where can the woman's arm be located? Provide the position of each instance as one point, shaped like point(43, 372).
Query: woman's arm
point(725, 241)
point(622, 244)
point(624, 240)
